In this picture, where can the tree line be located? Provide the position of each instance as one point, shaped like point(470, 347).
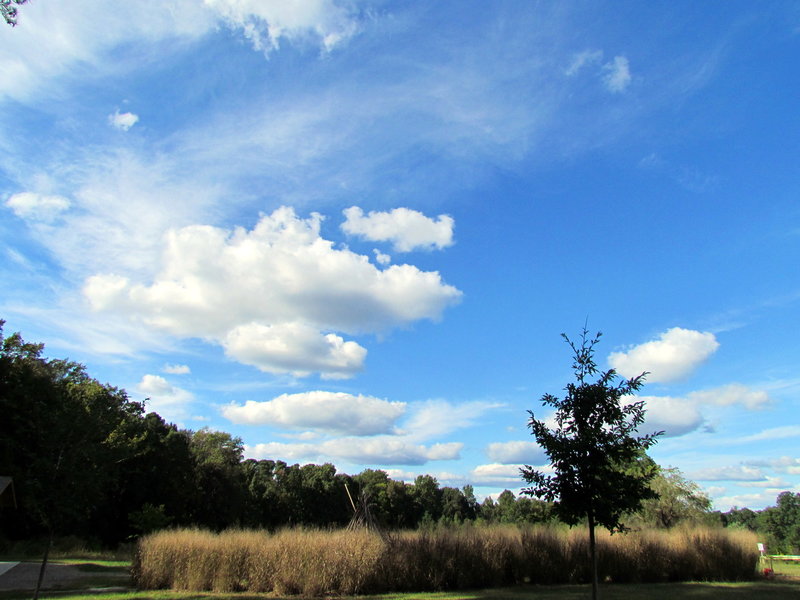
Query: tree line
point(88, 461)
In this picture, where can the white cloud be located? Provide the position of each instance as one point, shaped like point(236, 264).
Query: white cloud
point(407, 229)
point(752, 501)
point(123, 121)
point(438, 417)
point(272, 296)
point(37, 207)
point(294, 348)
point(617, 74)
point(582, 59)
point(169, 401)
point(784, 464)
point(63, 36)
point(381, 450)
point(673, 356)
point(266, 22)
point(516, 452)
point(497, 475)
point(381, 258)
point(729, 473)
point(673, 416)
point(774, 433)
point(336, 412)
point(732, 394)
point(177, 369)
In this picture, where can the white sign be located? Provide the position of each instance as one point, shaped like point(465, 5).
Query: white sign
point(761, 547)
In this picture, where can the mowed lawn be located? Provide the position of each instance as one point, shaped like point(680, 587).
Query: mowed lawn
point(768, 590)
point(786, 585)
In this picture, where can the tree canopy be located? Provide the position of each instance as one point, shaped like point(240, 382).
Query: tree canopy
point(594, 437)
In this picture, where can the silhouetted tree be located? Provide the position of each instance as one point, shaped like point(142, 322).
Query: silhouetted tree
point(591, 443)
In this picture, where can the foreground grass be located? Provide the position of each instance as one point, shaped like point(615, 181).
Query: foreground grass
point(768, 590)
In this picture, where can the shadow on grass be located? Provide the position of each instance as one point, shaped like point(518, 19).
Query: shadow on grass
point(767, 590)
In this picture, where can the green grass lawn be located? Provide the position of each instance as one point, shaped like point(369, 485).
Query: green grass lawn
point(769, 590)
point(106, 573)
point(780, 567)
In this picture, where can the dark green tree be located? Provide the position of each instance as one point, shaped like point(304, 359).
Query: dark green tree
point(782, 524)
point(593, 439)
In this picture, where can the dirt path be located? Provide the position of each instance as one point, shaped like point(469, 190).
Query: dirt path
point(24, 575)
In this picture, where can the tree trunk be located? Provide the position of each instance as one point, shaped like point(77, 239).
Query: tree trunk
point(593, 553)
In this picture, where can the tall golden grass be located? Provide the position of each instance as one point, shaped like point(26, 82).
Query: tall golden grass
point(318, 562)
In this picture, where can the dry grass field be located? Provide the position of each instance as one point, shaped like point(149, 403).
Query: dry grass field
point(318, 563)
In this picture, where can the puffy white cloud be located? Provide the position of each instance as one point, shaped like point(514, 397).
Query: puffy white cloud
point(497, 475)
point(273, 296)
point(438, 417)
point(294, 348)
point(169, 401)
point(407, 229)
point(123, 121)
point(37, 207)
point(732, 394)
point(381, 258)
point(381, 450)
point(177, 369)
point(329, 411)
point(266, 22)
point(516, 452)
point(617, 74)
point(729, 473)
point(674, 355)
point(673, 416)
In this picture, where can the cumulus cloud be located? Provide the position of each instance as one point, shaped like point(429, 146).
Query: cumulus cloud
point(123, 121)
point(336, 412)
point(673, 356)
point(37, 207)
point(673, 416)
point(617, 74)
point(407, 229)
point(266, 22)
point(274, 296)
point(381, 258)
point(730, 395)
point(517, 452)
point(500, 475)
point(730, 473)
point(382, 450)
point(169, 401)
point(177, 369)
point(294, 348)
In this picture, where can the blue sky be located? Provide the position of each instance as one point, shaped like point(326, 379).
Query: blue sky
point(353, 231)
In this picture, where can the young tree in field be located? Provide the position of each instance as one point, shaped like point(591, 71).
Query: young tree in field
point(593, 439)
